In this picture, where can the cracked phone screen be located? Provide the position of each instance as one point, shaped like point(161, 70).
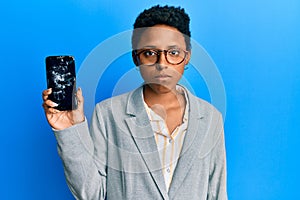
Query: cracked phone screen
point(61, 78)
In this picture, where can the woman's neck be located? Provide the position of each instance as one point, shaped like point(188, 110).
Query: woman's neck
point(159, 95)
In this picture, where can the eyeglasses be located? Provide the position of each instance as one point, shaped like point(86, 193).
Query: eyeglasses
point(149, 57)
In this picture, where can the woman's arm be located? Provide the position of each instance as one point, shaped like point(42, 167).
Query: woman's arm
point(85, 172)
point(85, 175)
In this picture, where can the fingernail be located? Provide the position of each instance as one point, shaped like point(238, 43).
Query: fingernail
point(54, 104)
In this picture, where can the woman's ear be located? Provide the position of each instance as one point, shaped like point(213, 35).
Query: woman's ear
point(188, 57)
point(134, 58)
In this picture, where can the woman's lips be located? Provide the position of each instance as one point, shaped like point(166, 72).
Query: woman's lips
point(162, 77)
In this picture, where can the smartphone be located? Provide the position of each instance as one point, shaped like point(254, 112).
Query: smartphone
point(61, 77)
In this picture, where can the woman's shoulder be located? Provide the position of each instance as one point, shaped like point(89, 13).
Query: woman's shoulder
point(120, 100)
point(114, 99)
point(201, 104)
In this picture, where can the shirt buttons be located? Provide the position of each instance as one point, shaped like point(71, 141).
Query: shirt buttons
point(170, 140)
point(168, 170)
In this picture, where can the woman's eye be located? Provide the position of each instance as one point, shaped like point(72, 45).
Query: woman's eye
point(174, 52)
point(149, 53)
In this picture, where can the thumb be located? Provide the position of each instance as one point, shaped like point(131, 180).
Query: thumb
point(80, 99)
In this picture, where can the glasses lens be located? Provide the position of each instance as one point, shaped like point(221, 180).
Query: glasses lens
point(148, 57)
point(175, 56)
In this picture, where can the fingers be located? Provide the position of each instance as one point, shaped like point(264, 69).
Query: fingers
point(80, 99)
point(46, 93)
point(48, 107)
point(53, 110)
point(48, 103)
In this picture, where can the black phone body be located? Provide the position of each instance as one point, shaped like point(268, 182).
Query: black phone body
point(61, 77)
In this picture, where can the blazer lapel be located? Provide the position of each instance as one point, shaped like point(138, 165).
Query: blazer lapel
point(194, 137)
point(143, 136)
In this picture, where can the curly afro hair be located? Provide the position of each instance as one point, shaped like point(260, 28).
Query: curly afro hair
point(167, 15)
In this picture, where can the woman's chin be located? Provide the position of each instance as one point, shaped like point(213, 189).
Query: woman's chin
point(161, 87)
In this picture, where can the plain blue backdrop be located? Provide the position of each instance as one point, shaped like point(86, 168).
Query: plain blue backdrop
point(255, 45)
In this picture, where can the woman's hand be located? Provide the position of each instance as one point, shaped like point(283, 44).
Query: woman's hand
point(62, 119)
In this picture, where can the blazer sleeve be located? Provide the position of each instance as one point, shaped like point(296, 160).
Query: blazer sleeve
point(84, 166)
point(217, 178)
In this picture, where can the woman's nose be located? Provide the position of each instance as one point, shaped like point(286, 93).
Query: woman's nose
point(161, 61)
point(160, 67)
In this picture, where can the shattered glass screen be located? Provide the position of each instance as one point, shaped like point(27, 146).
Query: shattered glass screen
point(61, 78)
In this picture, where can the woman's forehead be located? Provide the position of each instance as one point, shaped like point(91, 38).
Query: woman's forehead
point(161, 36)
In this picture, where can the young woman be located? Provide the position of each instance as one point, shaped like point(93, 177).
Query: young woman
point(156, 142)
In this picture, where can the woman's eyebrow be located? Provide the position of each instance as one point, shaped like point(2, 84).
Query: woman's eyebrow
point(173, 46)
point(154, 47)
point(149, 47)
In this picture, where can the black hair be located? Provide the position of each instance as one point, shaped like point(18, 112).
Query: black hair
point(167, 15)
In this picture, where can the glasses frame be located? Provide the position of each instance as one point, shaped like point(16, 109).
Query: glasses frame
point(158, 52)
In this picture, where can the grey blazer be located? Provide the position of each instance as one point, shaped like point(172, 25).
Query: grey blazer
point(117, 157)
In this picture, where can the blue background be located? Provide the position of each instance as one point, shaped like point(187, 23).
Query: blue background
point(255, 44)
